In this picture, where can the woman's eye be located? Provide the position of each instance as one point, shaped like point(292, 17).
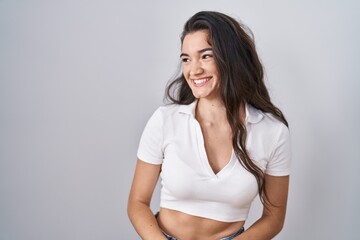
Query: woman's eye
point(206, 56)
point(185, 60)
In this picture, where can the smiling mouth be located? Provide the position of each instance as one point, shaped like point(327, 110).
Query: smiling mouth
point(201, 81)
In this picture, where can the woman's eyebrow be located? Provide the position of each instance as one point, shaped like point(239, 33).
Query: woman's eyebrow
point(204, 50)
point(200, 51)
point(184, 54)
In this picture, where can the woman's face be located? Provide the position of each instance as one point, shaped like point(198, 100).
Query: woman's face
point(198, 64)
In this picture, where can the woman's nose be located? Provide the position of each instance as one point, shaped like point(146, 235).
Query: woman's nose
point(196, 68)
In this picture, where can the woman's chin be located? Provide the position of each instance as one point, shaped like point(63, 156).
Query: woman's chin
point(198, 94)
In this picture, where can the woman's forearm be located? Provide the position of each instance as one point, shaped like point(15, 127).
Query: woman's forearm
point(263, 229)
point(273, 217)
point(144, 221)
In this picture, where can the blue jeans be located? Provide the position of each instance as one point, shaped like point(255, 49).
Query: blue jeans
point(225, 238)
point(169, 237)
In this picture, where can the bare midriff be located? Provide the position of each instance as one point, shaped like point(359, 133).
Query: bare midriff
point(185, 226)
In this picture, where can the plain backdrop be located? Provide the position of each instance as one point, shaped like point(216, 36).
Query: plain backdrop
point(79, 79)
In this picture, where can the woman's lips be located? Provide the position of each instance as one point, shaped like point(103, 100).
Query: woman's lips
point(201, 81)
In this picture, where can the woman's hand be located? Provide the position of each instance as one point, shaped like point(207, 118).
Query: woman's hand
point(140, 214)
point(273, 217)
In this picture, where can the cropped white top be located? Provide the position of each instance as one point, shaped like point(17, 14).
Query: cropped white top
point(173, 138)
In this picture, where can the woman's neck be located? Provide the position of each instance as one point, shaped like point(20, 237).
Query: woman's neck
point(214, 111)
point(210, 111)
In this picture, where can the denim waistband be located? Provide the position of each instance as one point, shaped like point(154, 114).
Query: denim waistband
point(169, 237)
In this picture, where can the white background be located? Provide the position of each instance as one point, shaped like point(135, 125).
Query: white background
point(79, 79)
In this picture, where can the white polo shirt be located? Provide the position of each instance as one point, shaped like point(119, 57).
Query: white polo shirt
point(172, 137)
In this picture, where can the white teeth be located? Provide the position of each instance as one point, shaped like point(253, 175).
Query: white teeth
point(200, 81)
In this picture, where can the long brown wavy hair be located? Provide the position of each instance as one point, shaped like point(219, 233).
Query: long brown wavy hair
point(241, 74)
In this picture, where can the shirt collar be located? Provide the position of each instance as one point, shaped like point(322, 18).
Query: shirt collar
point(188, 109)
point(253, 115)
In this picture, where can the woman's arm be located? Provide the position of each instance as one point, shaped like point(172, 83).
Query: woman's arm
point(273, 217)
point(142, 218)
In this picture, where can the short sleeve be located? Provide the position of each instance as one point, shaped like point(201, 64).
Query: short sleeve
point(150, 146)
point(280, 158)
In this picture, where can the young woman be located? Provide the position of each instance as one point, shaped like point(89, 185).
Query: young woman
point(219, 144)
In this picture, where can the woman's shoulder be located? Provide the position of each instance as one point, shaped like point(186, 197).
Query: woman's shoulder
point(273, 121)
point(265, 121)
